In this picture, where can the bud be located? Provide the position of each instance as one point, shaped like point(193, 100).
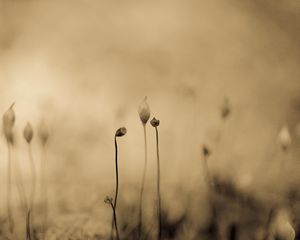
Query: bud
point(43, 133)
point(108, 200)
point(121, 132)
point(206, 151)
point(144, 111)
point(154, 122)
point(28, 132)
point(225, 108)
point(8, 120)
point(284, 138)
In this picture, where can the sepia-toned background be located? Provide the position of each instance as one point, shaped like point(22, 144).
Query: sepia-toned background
point(85, 66)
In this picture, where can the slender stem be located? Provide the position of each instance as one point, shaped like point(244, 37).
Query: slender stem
point(20, 186)
point(33, 183)
point(117, 187)
point(44, 192)
point(115, 220)
point(117, 174)
point(143, 185)
point(158, 188)
point(9, 213)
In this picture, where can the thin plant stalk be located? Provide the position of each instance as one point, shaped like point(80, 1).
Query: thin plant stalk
point(115, 220)
point(158, 188)
point(114, 223)
point(117, 188)
point(33, 183)
point(20, 186)
point(143, 185)
point(44, 187)
point(9, 171)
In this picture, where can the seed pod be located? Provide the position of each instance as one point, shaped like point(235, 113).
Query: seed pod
point(154, 122)
point(144, 111)
point(8, 120)
point(43, 133)
point(28, 132)
point(121, 132)
point(284, 138)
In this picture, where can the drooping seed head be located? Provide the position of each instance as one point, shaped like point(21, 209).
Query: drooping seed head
point(284, 138)
point(8, 120)
point(144, 111)
point(121, 132)
point(154, 122)
point(206, 151)
point(225, 108)
point(28, 132)
point(43, 133)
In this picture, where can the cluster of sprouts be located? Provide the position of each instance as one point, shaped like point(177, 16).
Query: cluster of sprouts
point(144, 115)
point(27, 204)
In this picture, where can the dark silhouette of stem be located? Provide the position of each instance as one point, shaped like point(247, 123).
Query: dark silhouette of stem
point(140, 223)
point(158, 188)
point(28, 226)
point(117, 189)
point(115, 220)
point(9, 213)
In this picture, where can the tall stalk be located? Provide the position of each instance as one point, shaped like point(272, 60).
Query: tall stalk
point(155, 123)
point(33, 183)
point(143, 183)
point(43, 134)
point(8, 121)
point(119, 133)
point(144, 114)
point(9, 171)
point(44, 187)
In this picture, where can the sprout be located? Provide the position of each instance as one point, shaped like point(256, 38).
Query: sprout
point(121, 132)
point(8, 119)
point(43, 133)
point(144, 111)
point(28, 132)
point(154, 122)
point(284, 138)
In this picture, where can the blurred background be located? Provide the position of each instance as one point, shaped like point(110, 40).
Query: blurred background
point(85, 66)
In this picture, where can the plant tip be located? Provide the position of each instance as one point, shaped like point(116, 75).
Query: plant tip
point(225, 108)
point(206, 151)
point(8, 120)
point(144, 111)
point(121, 132)
point(43, 133)
point(284, 138)
point(154, 122)
point(108, 200)
point(28, 132)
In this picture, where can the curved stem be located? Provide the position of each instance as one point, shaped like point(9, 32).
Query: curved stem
point(9, 170)
point(158, 188)
point(143, 185)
